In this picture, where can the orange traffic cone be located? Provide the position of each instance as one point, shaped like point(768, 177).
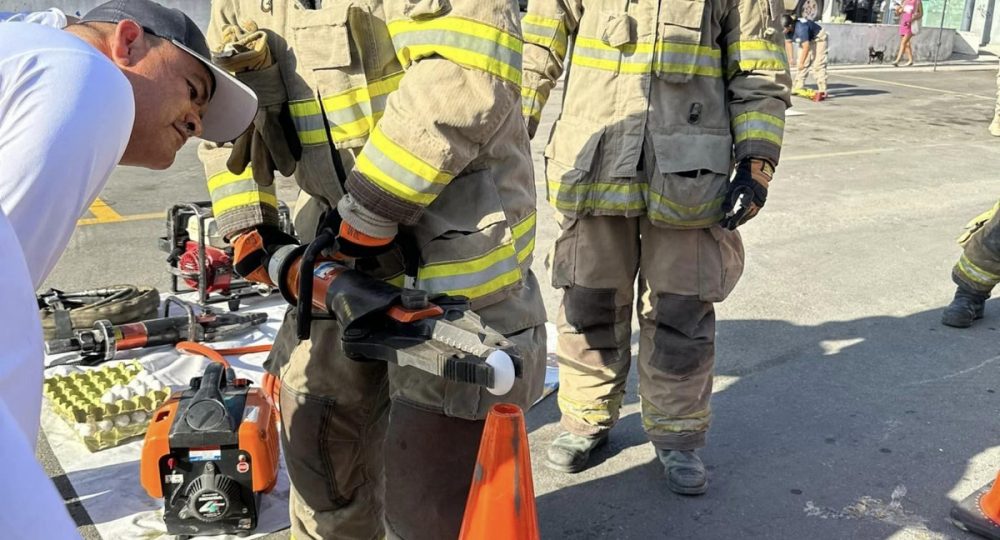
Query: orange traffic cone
point(501, 502)
point(979, 513)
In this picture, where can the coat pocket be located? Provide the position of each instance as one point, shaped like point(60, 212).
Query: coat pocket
point(691, 177)
point(679, 54)
point(321, 38)
point(571, 163)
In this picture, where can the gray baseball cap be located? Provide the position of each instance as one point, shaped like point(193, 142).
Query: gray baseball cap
point(232, 106)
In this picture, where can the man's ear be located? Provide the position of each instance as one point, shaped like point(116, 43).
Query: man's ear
point(128, 44)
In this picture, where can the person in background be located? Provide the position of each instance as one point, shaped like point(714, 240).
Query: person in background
point(814, 56)
point(909, 13)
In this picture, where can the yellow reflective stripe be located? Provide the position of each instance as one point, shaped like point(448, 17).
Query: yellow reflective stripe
point(545, 32)
point(756, 54)
point(531, 18)
point(688, 58)
point(673, 213)
point(531, 104)
point(522, 230)
point(976, 273)
point(464, 41)
point(758, 125)
point(639, 58)
point(474, 277)
point(218, 180)
point(398, 280)
point(308, 119)
point(597, 196)
point(399, 172)
point(255, 198)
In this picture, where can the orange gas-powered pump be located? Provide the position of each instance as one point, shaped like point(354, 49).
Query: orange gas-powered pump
point(210, 451)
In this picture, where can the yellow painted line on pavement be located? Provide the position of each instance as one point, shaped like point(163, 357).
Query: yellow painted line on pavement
point(121, 218)
point(103, 213)
point(915, 87)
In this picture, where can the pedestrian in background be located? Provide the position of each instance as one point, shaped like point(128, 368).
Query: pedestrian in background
point(909, 12)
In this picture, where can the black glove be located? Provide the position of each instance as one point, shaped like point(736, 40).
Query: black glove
point(253, 249)
point(271, 142)
point(747, 192)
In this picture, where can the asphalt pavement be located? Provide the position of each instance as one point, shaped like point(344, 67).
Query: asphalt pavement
point(843, 409)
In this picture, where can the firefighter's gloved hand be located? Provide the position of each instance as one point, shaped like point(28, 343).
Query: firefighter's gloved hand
point(252, 250)
point(360, 232)
point(747, 192)
point(271, 142)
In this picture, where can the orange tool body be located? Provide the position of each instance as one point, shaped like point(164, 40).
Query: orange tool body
point(210, 452)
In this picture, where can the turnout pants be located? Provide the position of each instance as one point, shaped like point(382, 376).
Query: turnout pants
point(816, 63)
point(978, 269)
point(680, 274)
point(377, 451)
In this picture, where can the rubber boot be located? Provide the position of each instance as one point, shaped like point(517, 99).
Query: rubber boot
point(685, 471)
point(570, 453)
point(965, 308)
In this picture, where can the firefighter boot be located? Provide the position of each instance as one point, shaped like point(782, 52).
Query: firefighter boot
point(685, 471)
point(966, 308)
point(570, 453)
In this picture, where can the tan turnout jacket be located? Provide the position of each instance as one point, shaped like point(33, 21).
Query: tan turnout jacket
point(705, 80)
point(423, 98)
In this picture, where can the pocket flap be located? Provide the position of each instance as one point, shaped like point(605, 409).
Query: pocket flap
point(683, 13)
point(679, 152)
point(574, 142)
point(321, 38)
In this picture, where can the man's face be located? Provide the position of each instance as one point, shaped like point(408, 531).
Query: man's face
point(172, 89)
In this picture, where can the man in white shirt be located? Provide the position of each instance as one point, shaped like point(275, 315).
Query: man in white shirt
point(128, 84)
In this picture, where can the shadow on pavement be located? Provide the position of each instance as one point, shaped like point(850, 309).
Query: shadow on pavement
point(846, 429)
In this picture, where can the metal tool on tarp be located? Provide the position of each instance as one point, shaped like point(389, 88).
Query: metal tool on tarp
point(199, 323)
point(201, 259)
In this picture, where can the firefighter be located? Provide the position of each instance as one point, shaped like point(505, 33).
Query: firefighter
point(401, 119)
point(663, 101)
point(977, 270)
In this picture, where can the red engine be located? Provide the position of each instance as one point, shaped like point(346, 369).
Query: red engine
point(219, 274)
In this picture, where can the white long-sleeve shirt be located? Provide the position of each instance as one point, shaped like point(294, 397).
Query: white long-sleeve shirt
point(66, 115)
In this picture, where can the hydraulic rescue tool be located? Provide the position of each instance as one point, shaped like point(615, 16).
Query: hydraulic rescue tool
point(101, 343)
point(382, 322)
point(202, 259)
point(210, 451)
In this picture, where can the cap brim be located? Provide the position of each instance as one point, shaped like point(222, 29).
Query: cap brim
point(231, 108)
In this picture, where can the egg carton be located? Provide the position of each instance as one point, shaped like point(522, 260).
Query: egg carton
point(105, 406)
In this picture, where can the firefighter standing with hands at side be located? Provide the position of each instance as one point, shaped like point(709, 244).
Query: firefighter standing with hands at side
point(662, 101)
point(404, 117)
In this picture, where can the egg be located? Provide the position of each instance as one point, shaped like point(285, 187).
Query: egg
point(139, 417)
point(122, 420)
point(105, 425)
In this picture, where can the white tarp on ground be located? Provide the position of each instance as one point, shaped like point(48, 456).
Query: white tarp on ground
point(107, 481)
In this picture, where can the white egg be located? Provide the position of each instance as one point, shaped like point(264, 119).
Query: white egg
point(105, 425)
point(156, 385)
point(139, 417)
point(122, 420)
point(139, 388)
point(60, 371)
point(108, 398)
point(84, 429)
